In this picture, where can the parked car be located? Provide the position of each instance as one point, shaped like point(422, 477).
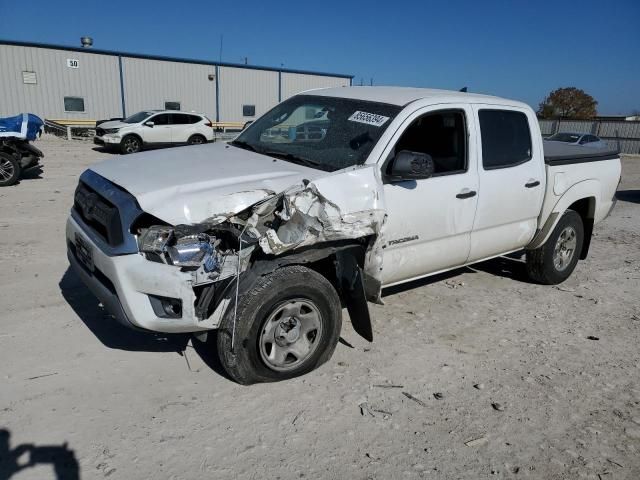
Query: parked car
point(17, 154)
point(584, 139)
point(154, 128)
point(266, 238)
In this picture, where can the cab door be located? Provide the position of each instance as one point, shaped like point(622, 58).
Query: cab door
point(429, 221)
point(512, 179)
point(160, 132)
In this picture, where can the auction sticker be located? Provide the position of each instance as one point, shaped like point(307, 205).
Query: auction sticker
point(368, 118)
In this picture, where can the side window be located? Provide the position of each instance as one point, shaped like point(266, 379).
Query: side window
point(162, 119)
point(442, 135)
point(506, 139)
point(194, 118)
point(179, 119)
point(73, 104)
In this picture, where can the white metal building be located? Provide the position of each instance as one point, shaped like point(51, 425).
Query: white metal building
point(59, 82)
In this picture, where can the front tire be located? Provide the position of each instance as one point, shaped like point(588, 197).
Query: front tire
point(130, 144)
point(9, 170)
point(555, 260)
point(287, 325)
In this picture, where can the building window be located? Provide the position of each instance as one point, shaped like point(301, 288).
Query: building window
point(172, 105)
point(73, 104)
point(29, 78)
point(248, 110)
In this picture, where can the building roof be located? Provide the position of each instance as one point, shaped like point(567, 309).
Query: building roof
point(403, 95)
point(168, 59)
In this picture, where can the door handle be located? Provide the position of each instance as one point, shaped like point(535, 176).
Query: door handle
point(532, 183)
point(468, 194)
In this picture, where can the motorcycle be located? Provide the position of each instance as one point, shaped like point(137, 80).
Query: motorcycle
point(16, 153)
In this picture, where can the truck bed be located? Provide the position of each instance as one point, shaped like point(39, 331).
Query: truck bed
point(556, 153)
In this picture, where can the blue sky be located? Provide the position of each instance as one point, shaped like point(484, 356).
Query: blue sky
point(518, 49)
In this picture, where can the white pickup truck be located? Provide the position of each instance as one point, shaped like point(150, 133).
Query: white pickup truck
point(329, 197)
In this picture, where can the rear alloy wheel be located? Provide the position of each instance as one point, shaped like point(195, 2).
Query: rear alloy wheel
point(197, 140)
point(9, 170)
point(130, 144)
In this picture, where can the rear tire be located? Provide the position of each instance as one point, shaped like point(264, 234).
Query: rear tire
point(130, 144)
point(287, 325)
point(555, 260)
point(196, 140)
point(10, 170)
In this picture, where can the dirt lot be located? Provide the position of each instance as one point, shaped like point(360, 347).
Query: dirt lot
point(477, 374)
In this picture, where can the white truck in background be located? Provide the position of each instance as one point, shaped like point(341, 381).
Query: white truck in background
point(326, 199)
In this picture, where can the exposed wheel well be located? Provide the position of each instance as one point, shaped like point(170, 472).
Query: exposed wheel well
point(133, 135)
point(585, 207)
point(341, 263)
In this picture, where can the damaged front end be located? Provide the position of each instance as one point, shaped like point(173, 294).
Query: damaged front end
point(300, 225)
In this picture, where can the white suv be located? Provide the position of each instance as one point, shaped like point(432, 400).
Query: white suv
point(154, 128)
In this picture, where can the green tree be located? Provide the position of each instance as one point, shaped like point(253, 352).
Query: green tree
point(569, 102)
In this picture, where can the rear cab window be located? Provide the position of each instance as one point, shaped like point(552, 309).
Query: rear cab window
point(506, 138)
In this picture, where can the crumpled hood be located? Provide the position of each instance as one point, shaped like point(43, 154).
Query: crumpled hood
point(196, 183)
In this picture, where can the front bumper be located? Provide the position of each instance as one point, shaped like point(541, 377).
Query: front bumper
point(106, 140)
point(123, 284)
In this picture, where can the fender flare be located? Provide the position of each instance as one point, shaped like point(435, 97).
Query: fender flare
point(581, 190)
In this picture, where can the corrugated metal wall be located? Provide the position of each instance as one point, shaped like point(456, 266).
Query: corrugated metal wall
point(293, 83)
point(239, 86)
point(96, 80)
point(148, 84)
point(621, 135)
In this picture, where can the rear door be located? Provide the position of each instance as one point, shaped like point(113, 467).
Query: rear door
point(511, 176)
point(181, 127)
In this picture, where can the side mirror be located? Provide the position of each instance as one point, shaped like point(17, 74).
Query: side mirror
point(407, 165)
point(149, 124)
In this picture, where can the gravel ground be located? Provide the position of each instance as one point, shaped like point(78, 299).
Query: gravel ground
point(475, 374)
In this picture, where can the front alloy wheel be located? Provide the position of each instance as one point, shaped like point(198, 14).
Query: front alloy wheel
point(131, 144)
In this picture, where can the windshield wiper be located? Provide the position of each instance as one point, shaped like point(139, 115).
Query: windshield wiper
point(290, 157)
point(243, 144)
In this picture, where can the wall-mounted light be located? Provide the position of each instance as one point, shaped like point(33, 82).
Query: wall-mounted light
point(211, 77)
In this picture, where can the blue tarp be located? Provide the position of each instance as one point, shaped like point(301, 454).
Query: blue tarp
point(25, 126)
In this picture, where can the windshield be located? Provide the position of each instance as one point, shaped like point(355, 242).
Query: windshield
point(565, 137)
point(138, 117)
point(326, 133)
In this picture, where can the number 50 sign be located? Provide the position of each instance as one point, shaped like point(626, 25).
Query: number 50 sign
point(72, 63)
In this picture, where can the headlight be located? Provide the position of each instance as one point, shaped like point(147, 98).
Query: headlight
point(190, 251)
point(155, 239)
point(187, 251)
point(111, 130)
